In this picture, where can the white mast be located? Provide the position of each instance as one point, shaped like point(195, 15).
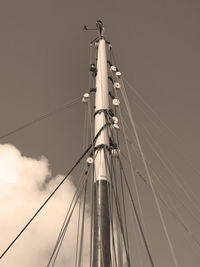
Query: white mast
point(101, 105)
point(101, 239)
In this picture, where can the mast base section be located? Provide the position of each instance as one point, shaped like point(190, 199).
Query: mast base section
point(101, 241)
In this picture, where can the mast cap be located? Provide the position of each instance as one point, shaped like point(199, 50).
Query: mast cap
point(100, 29)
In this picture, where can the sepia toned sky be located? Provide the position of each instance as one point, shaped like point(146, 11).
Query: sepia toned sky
point(44, 58)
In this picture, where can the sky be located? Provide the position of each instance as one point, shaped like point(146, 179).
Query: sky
point(44, 63)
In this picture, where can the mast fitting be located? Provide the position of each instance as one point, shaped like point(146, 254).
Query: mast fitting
point(100, 29)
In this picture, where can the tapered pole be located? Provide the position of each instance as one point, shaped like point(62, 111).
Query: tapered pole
point(101, 235)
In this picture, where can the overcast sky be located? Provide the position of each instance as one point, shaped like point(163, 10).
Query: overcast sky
point(44, 62)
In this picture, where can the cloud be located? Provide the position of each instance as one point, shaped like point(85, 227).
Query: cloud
point(22, 191)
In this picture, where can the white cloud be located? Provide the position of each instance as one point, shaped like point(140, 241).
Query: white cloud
point(21, 180)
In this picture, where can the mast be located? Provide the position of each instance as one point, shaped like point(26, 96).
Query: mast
point(101, 234)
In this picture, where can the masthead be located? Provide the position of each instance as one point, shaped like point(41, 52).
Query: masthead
point(100, 29)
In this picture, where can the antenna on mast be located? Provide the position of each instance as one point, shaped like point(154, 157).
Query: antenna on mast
point(85, 28)
point(100, 29)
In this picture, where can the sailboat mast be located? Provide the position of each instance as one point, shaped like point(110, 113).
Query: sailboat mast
point(101, 234)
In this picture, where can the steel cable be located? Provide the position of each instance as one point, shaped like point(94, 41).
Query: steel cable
point(137, 217)
point(54, 191)
point(115, 194)
point(40, 118)
point(149, 177)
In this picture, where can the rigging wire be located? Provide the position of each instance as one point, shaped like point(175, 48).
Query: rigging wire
point(85, 125)
point(129, 156)
point(42, 117)
point(111, 196)
point(113, 172)
point(124, 209)
point(54, 191)
point(91, 85)
point(78, 258)
point(110, 202)
point(92, 218)
point(161, 156)
point(178, 217)
point(148, 118)
point(117, 208)
point(163, 164)
point(171, 173)
point(65, 226)
point(182, 187)
point(143, 234)
point(161, 180)
point(175, 213)
point(78, 232)
point(196, 170)
point(119, 213)
point(50, 196)
point(87, 150)
point(91, 80)
point(83, 225)
point(149, 107)
point(149, 175)
point(136, 214)
point(133, 174)
point(60, 236)
point(112, 93)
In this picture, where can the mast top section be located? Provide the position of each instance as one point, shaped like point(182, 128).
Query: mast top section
point(100, 29)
